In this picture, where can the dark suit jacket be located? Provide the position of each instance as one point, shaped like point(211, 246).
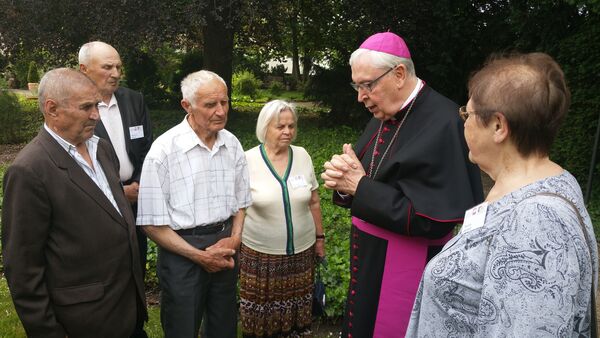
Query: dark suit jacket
point(134, 112)
point(70, 259)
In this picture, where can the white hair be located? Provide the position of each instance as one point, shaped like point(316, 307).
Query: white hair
point(193, 81)
point(270, 111)
point(382, 60)
point(85, 52)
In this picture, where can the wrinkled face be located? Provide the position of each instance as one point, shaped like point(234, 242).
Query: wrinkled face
point(104, 69)
point(381, 101)
point(208, 112)
point(479, 138)
point(75, 118)
point(281, 132)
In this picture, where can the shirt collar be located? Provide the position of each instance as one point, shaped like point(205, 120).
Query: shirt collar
point(66, 145)
point(190, 139)
point(414, 93)
point(112, 102)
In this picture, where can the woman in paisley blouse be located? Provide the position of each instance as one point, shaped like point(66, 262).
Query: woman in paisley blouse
point(524, 260)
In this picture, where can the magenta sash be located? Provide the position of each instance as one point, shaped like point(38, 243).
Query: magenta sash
point(404, 264)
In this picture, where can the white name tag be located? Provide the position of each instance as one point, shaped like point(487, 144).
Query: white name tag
point(474, 217)
point(136, 132)
point(297, 181)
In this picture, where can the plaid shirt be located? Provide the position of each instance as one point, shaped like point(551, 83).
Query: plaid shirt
point(184, 184)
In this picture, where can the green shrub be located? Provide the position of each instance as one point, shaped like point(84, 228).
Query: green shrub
point(191, 61)
point(33, 76)
point(276, 88)
point(245, 83)
point(17, 124)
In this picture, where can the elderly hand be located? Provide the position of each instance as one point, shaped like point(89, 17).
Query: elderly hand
point(343, 172)
point(131, 191)
point(215, 259)
point(232, 243)
point(320, 248)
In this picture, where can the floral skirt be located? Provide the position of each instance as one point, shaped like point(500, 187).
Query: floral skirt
point(276, 293)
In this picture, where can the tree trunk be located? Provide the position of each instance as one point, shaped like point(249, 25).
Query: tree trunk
point(295, 54)
point(218, 40)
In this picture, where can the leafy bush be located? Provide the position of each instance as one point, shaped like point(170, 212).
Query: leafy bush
point(331, 87)
point(142, 75)
point(191, 61)
point(33, 76)
point(276, 88)
point(19, 119)
point(278, 70)
point(245, 83)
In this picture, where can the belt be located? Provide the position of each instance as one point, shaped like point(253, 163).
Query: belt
point(208, 229)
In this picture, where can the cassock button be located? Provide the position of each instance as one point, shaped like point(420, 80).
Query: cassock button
point(351, 314)
point(355, 257)
point(354, 269)
point(376, 153)
point(353, 280)
point(380, 141)
point(386, 129)
point(354, 246)
point(353, 292)
point(349, 324)
point(349, 335)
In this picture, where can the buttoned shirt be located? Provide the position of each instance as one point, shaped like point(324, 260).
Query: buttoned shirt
point(95, 173)
point(111, 118)
point(185, 184)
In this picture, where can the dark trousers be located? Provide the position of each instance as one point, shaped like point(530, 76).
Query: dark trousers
point(189, 294)
point(143, 249)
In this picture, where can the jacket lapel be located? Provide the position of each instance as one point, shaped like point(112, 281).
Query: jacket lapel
point(64, 161)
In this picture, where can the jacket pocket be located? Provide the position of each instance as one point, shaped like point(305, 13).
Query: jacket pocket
point(77, 294)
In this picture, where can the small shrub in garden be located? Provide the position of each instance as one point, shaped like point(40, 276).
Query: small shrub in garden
point(33, 76)
point(12, 120)
point(245, 83)
point(276, 88)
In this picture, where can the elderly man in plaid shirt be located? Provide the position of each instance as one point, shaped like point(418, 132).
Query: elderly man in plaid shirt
point(193, 192)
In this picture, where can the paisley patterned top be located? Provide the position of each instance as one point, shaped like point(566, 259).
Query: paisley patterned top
point(526, 272)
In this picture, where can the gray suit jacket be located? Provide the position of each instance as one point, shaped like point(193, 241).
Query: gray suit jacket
point(70, 259)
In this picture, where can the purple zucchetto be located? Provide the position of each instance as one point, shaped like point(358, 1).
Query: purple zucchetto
point(387, 42)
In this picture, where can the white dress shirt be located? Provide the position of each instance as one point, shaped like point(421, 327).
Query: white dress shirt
point(185, 184)
point(111, 118)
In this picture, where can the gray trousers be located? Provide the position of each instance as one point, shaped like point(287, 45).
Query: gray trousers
point(189, 294)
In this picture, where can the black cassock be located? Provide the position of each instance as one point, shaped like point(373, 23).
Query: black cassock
point(420, 183)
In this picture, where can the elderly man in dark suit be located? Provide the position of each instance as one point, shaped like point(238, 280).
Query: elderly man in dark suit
point(68, 236)
point(124, 122)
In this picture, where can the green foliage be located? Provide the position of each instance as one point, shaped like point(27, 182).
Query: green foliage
point(19, 118)
point(33, 76)
point(192, 61)
point(142, 74)
point(332, 88)
point(276, 88)
point(10, 326)
point(245, 83)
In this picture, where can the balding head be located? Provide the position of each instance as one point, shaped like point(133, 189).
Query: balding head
point(59, 85)
point(87, 50)
point(102, 63)
point(69, 101)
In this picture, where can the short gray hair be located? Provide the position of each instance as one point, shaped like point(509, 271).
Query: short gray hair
point(58, 84)
point(193, 81)
point(270, 111)
point(383, 60)
point(85, 52)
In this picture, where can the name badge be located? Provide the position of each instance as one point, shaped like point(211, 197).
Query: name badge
point(136, 132)
point(297, 181)
point(474, 217)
